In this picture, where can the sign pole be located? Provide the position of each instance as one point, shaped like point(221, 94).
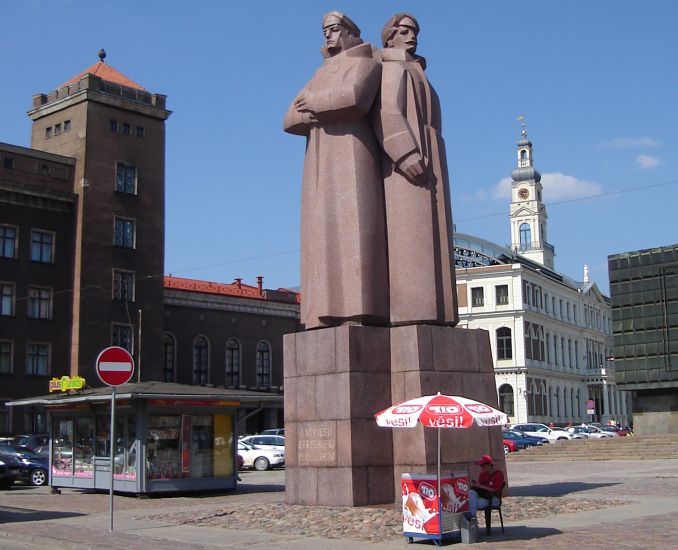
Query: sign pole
point(115, 367)
point(110, 496)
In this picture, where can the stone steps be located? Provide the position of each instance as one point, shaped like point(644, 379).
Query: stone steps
point(651, 447)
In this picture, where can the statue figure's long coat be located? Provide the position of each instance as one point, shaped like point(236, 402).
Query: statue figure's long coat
point(418, 217)
point(343, 238)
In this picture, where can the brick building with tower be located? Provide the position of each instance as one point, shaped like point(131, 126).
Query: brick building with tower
point(82, 239)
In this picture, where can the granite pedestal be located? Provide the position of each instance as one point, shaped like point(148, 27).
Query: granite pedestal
point(335, 380)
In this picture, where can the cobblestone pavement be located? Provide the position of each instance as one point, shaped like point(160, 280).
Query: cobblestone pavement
point(373, 524)
point(625, 504)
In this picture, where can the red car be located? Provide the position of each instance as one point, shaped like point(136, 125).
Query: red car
point(509, 446)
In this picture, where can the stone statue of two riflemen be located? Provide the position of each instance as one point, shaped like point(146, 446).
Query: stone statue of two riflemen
point(376, 225)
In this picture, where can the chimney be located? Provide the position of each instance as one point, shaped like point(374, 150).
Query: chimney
point(238, 283)
point(260, 283)
point(586, 273)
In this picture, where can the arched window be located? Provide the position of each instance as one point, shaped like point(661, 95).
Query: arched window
point(263, 364)
point(557, 410)
point(525, 236)
point(232, 377)
point(168, 357)
point(544, 400)
point(504, 347)
point(200, 360)
point(523, 154)
point(506, 399)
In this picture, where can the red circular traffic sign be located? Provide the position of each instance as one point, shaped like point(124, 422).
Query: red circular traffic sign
point(115, 366)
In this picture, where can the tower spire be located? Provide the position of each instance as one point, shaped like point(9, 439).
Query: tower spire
point(527, 212)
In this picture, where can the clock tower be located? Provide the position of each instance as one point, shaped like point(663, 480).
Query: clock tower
point(528, 213)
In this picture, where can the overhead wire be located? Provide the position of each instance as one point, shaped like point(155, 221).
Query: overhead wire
point(106, 287)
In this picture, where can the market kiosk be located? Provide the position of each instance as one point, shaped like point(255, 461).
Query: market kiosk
point(168, 437)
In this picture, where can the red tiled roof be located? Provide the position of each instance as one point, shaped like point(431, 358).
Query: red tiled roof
point(232, 289)
point(105, 72)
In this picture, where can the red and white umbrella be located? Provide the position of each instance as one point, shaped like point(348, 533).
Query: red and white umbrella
point(440, 411)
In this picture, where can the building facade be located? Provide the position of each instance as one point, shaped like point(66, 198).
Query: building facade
point(82, 239)
point(551, 336)
point(644, 292)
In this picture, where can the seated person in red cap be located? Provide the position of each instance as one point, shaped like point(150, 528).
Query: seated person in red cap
point(487, 488)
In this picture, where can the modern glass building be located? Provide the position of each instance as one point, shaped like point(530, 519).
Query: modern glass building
point(644, 299)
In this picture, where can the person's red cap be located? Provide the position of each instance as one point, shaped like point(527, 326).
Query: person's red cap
point(485, 459)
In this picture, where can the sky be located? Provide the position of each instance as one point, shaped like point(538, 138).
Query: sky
point(597, 83)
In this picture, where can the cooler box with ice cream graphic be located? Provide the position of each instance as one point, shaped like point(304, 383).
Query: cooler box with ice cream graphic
point(429, 515)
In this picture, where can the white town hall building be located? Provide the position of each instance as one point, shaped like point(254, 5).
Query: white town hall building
point(551, 336)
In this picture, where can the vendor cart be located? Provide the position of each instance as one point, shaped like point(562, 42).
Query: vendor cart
point(432, 514)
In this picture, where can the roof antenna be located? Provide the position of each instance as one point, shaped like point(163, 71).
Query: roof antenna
point(102, 55)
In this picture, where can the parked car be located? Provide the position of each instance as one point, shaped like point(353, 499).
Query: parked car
point(524, 441)
point(270, 442)
point(260, 459)
point(542, 430)
point(510, 446)
point(274, 431)
point(589, 432)
point(614, 431)
point(32, 468)
point(9, 472)
point(30, 442)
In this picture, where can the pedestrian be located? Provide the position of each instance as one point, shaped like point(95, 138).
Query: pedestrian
point(486, 490)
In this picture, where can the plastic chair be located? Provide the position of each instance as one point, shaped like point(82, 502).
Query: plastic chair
point(488, 513)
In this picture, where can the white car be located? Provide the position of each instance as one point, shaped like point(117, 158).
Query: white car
point(590, 432)
point(542, 430)
point(271, 442)
point(260, 459)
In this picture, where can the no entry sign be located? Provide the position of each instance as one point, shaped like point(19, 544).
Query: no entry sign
point(115, 366)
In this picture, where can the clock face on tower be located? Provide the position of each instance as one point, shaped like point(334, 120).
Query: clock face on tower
point(523, 193)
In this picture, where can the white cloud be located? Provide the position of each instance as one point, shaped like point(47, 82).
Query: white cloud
point(646, 161)
point(557, 187)
point(630, 143)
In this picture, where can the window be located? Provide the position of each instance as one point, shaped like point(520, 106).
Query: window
point(502, 294)
point(126, 129)
point(125, 178)
point(562, 315)
point(232, 362)
point(168, 357)
point(6, 299)
point(67, 125)
point(5, 357)
point(477, 298)
point(37, 359)
point(40, 303)
point(200, 360)
point(141, 132)
point(48, 132)
point(8, 241)
point(574, 313)
point(263, 364)
point(576, 354)
point(57, 129)
point(8, 163)
point(114, 125)
point(124, 233)
point(504, 348)
point(123, 285)
point(121, 335)
point(525, 236)
point(42, 246)
point(506, 399)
